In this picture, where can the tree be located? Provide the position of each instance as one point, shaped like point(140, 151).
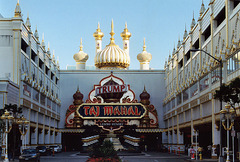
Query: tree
point(229, 93)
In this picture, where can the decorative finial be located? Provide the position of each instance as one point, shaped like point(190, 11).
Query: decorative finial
point(112, 33)
point(144, 45)
point(193, 22)
point(36, 34)
point(126, 25)
point(144, 90)
point(43, 44)
point(48, 46)
point(98, 34)
point(78, 88)
point(81, 46)
point(53, 56)
point(17, 12)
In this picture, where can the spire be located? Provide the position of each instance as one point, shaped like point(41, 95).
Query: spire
point(112, 33)
point(174, 51)
point(43, 44)
point(58, 63)
point(179, 42)
point(53, 56)
point(36, 34)
point(185, 33)
point(81, 46)
point(144, 46)
point(28, 24)
point(202, 10)
point(193, 22)
point(48, 51)
point(17, 12)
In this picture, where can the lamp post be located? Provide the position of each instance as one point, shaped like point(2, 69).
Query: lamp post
point(7, 118)
point(220, 128)
point(228, 115)
point(23, 127)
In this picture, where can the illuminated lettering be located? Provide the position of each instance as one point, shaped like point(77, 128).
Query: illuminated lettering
point(136, 111)
point(86, 109)
point(116, 111)
point(130, 111)
point(116, 89)
point(123, 110)
point(108, 110)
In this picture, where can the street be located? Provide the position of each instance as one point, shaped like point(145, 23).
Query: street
point(143, 157)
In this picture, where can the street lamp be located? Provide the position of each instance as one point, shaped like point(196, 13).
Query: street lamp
point(23, 127)
point(221, 65)
point(7, 118)
point(228, 114)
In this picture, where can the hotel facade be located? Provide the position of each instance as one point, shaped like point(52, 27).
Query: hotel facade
point(141, 109)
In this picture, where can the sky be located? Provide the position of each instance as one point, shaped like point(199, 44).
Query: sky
point(65, 22)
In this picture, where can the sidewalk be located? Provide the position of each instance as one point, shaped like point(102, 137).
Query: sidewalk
point(187, 158)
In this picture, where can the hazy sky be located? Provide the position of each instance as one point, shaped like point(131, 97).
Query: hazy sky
point(64, 22)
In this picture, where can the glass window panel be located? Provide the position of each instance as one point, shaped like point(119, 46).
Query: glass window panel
point(204, 83)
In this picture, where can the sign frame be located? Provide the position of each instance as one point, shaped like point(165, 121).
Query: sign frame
point(112, 104)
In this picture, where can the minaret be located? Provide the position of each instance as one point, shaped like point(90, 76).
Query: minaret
point(125, 36)
point(80, 58)
point(98, 39)
point(144, 58)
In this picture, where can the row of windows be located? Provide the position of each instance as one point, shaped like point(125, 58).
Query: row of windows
point(39, 97)
point(194, 89)
point(39, 62)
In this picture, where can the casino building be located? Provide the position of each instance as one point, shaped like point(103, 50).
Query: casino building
point(136, 109)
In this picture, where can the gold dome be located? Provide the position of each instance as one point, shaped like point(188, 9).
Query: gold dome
point(144, 56)
point(98, 34)
point(112, 56)
point(80, 56)
point(126, 34)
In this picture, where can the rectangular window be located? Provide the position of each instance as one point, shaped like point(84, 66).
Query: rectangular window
point(42, 99)
point(49, 103)
point(54, 106)
point(207, 33)
point(179, 99)
point(220, 17)
point(215, 75)
point(204, 83)
point(196, 45)
point(173, 103)
point(24, 46)
point(26, 90)
point(234, 63)
point(185, 95)
point(35, 95)
point(194, 90)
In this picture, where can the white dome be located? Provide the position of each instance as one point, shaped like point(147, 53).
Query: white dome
point(112, 56)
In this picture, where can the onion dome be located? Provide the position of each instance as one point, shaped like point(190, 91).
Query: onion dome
point(193, 22)
point(145, 96)
point(144, 56)
point(202, 10)
point(17, 12)
point(78, 97)
point(80, 56)
point(126, 34)
point(36, 34)
point(112, 56)
point(98, 34)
